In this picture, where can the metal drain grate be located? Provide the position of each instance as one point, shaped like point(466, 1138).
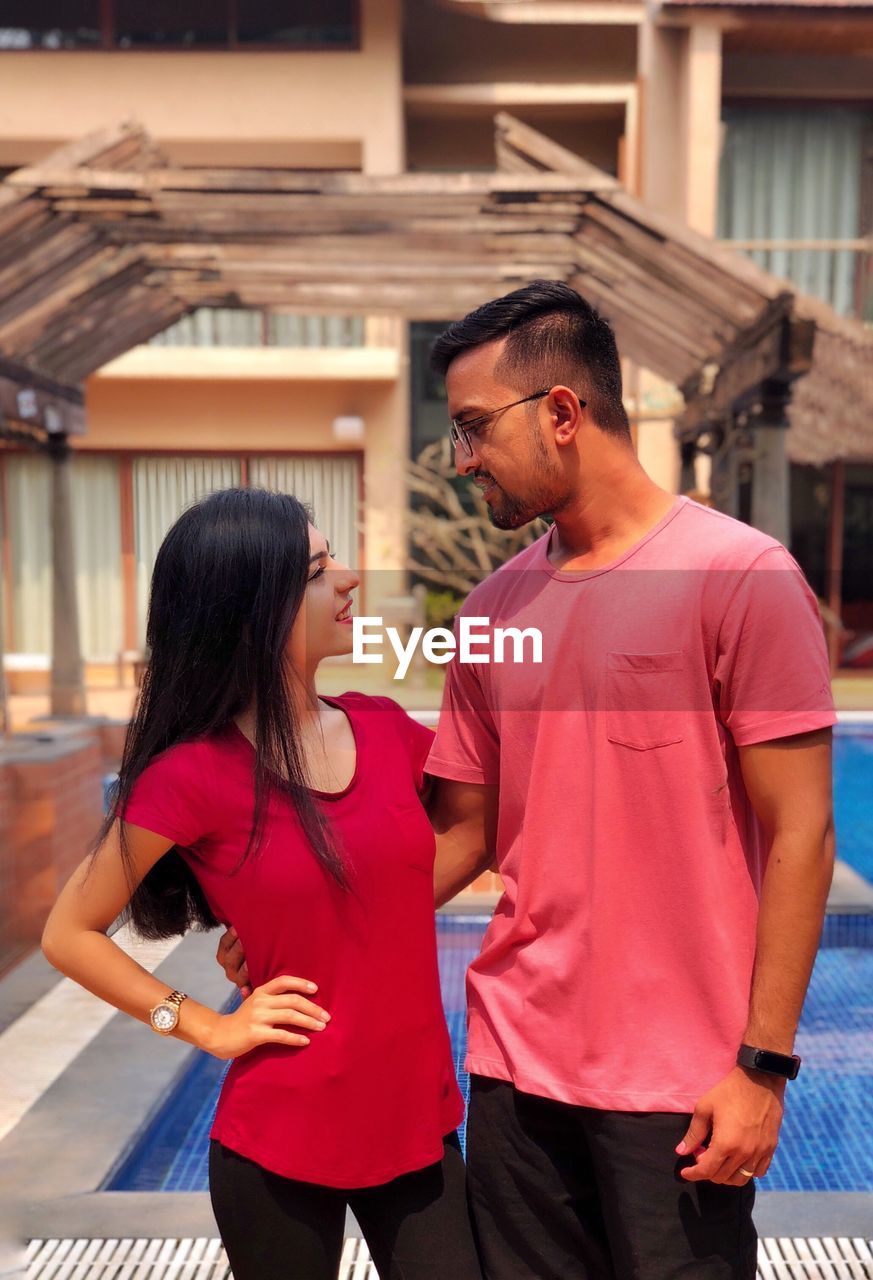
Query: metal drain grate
point(816, 1258)
point(203, 1259)
point(197, 1259)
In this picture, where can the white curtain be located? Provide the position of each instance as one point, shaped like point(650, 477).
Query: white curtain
point(234, 327)
point(97, 543)
point(162, 489)
point(796, 175)
point(97, 549)
point(28, 492)
point(214, 327)
point(315, 331)
point(328, 485)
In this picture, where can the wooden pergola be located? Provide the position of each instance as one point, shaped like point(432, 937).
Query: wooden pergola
point(102, 245)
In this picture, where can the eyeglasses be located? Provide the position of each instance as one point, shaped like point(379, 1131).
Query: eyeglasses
point(458, 431)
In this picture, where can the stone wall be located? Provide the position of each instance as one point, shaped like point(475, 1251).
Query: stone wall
point(51, 804)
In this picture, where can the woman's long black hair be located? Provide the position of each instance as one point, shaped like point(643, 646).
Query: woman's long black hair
point(228, 582)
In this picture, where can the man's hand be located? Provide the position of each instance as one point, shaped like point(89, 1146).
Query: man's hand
point(231, 957)
point(741, 1117)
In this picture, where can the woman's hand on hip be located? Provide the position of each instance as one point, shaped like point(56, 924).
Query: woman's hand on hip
point(279, 1012)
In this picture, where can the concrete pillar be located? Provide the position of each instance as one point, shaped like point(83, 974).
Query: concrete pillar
point(5, 722)
point(724, 480)
point(680, 71)
point(67, 683)
point(702, 127)
point(687, 469)
point(382, 41)
point(660, 67)
point(386, 456)
point(771, 493)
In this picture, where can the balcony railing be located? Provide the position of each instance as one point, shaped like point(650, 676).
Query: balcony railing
point(228, 327)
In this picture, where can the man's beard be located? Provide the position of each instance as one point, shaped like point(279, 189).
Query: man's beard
point(508, 511)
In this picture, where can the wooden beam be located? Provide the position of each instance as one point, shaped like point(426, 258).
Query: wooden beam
point(540, 153)
point(39, 403)
point(267, 182)
point(521, 93)
point(778, 349)
point(89, 267)
point(771, 480)
point(540, 12)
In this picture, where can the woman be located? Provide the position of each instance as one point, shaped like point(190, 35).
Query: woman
point(247, 799)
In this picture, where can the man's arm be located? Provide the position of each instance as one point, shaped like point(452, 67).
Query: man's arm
point(464, 818)
point(788, 782)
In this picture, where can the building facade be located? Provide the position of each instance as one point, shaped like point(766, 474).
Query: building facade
point(753, 123)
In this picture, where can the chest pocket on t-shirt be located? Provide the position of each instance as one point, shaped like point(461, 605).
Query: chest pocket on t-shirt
point(644, 694)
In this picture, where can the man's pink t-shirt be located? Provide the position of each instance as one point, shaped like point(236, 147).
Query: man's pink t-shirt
point(616, 971)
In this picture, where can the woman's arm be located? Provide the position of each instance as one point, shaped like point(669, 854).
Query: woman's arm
point(464, 818)
point(75, 941)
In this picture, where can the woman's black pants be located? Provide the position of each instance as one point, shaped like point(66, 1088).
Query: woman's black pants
point(416, 1227)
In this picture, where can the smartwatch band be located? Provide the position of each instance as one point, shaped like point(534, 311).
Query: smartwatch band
point(786, 1065)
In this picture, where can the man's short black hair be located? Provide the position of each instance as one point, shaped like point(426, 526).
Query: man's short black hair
point(554, 337)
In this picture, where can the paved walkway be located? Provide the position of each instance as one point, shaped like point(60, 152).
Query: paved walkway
point(40, 1044)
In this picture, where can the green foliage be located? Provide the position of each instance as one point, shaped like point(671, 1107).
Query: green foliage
point(441, 607)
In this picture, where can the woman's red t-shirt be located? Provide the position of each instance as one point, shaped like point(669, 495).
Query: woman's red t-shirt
point(372, 1096)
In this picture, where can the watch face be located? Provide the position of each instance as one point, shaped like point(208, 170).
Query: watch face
point(777, 1063)
point(164, 1017)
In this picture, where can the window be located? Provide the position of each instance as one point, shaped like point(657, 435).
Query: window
point(179, 24)
point(232, 327)
point(50, 24)
point(168, 24)
point(97, 541)
point(329, 485)
point(792, 194)
point(429, 411)
point(162, 489)
point(297, 22)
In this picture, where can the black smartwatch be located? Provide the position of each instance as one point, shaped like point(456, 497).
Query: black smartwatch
point(786, 1065)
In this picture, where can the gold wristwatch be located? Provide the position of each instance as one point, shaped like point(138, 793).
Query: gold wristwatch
point(164, 1018)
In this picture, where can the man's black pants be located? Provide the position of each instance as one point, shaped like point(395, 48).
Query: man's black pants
point(561, 1192)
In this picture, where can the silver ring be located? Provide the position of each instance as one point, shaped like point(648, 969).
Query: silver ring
point(748, 1173)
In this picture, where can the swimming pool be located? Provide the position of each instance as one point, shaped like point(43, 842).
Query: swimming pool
point(824, 1143)
point(853, 781)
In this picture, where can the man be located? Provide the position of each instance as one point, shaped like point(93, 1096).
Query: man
point(657, 795)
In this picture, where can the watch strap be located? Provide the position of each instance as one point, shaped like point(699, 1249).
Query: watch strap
point(785, 1065)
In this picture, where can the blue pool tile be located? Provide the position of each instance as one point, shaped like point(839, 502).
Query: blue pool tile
point(848, 931)
point(824, 1138)
point(853, 812)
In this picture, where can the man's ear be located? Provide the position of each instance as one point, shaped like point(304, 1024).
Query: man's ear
point(566, 412)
